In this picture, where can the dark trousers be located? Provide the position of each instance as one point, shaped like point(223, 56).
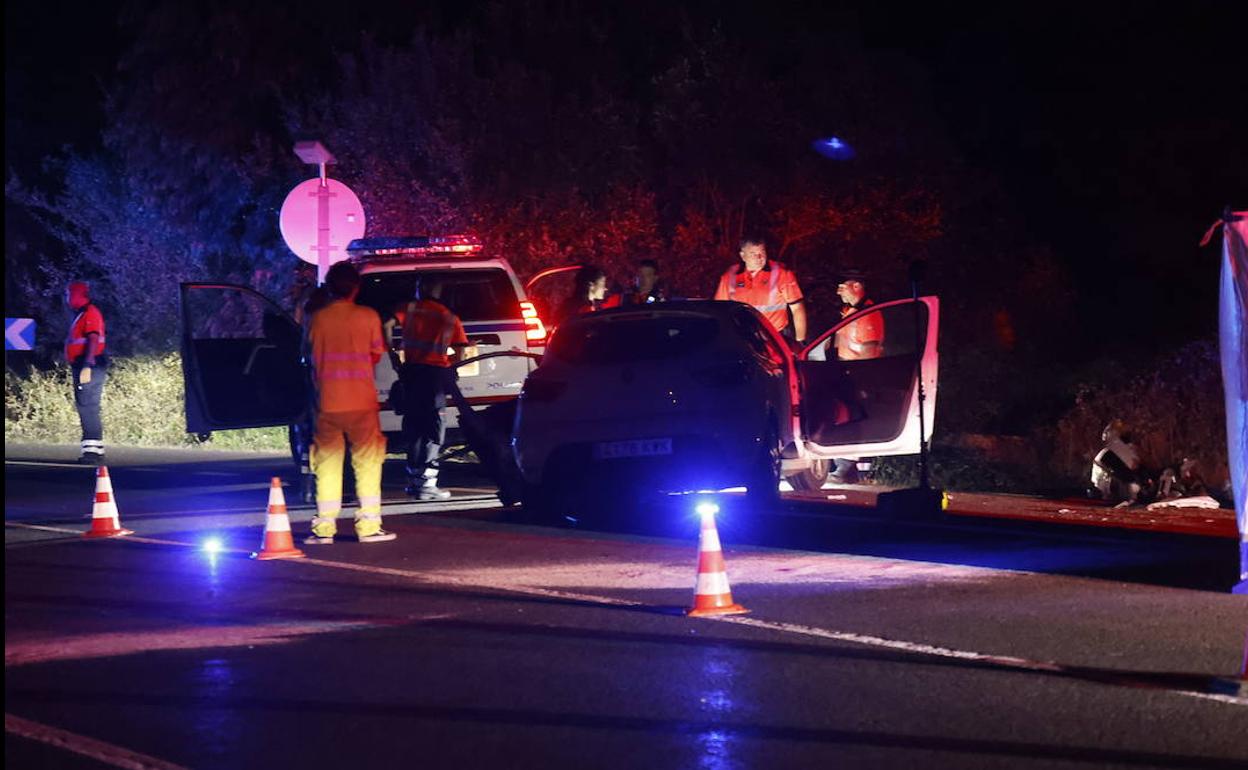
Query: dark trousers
point(424, 432)
point(87, 401)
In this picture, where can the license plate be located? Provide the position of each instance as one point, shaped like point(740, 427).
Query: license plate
point(650, 447)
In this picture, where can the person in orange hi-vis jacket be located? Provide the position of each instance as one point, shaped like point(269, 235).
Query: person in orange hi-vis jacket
point(770, 287)
point(84, 350)
point(856, 341)
point(864, 338)
point(346, 345)
point(430, 330)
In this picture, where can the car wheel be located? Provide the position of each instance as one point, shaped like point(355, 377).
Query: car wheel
point(812, 477)
point(763, 489)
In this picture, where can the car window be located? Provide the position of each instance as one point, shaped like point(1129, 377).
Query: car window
point(485, 294)
point(625, 339)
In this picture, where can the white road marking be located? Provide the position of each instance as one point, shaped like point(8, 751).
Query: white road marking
point(48, 464)
point(98, 750)
point(917, 648)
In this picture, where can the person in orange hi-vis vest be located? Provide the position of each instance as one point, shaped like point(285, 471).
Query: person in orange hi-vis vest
point(856, 341)
point(346, 345)
point(770, 287)
point(430, 330)
point(863, 338)
point(84, 350)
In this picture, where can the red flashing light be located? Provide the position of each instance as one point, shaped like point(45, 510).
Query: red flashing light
point(535, 330)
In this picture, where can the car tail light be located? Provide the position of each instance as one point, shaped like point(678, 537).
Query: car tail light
point(729, 374)
point(534, 329)
point(537, 390)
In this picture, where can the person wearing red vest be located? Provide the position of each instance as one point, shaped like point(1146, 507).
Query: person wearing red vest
point(864, 338)
point(856, 341)
point(346, 345)
point(84, 350)
point(430, 329)
point(770, 287)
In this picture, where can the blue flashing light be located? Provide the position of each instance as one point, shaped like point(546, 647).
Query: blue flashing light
point(834, 148)
point(212, 546)
point(706, 508)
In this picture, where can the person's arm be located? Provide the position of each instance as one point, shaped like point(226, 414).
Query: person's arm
point(799, 320)
point(459, 341)
point(791, 293)
point(93, 349)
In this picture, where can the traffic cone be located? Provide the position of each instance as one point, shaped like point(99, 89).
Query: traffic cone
point(712, 595)
point(278, 542)
point(105, 520)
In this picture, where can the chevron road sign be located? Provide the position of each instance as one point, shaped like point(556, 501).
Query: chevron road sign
point(19, 333)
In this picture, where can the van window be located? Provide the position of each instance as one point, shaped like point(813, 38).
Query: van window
point(624, 339)
point(485, 294)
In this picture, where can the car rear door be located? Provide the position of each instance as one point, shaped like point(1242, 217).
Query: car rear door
point(241, 360)
point(856, 403)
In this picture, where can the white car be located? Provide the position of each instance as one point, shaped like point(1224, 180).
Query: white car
point(705, 395)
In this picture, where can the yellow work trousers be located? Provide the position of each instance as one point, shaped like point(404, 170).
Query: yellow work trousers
point(368, 451)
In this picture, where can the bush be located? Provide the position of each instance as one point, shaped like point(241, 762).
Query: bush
point(142, 406)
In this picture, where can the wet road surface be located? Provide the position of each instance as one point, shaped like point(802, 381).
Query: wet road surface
point(475, 640)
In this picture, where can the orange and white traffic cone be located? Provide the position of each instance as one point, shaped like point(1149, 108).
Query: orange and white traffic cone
point(105, 520)
point(278, 542)
point(712, 595)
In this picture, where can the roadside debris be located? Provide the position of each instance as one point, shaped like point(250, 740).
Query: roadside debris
point(1118, 476)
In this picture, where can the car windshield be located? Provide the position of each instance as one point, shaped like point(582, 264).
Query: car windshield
point(485, 294)
point(628, 338)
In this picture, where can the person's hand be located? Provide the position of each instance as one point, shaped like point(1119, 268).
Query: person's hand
point(84, 376)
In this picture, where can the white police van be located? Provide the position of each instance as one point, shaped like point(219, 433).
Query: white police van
point(242, 354)
point(482, 290)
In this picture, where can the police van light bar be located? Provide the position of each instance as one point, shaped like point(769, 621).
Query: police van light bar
point(414, 246)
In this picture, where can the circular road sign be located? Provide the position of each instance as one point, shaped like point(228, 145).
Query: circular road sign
point(301, 220)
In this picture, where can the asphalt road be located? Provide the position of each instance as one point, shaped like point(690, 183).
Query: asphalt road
point(474, 640)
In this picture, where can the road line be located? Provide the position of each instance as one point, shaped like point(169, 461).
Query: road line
point(48, 464)
point(98, 750)
point(898, 645)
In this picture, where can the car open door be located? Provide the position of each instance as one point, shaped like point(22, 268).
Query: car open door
point(859, 381)
point(241, 360)
point(547, 289)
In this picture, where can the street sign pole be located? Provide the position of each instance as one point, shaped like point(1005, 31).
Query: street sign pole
point(322, 226)
point(314, 153)
point(321, 216)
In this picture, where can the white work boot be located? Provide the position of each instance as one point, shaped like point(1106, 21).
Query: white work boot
point(429, 491)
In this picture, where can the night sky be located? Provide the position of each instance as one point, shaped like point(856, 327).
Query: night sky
point(1117, 130)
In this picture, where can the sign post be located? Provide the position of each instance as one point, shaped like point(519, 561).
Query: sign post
point(320, 216)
